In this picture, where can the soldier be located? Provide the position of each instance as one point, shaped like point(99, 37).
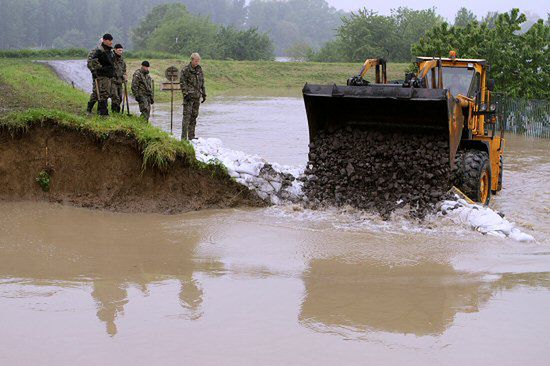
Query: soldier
point(104, 61)
point(142, 89)
point(192, 87)
point(93, 65)
point(119, 79)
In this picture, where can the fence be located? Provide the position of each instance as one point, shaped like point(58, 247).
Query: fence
point(523, 116)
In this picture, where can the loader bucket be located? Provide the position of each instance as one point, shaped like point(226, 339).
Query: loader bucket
point(382, 107)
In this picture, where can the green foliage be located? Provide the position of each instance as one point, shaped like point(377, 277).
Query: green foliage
point(249, 44)
point(367, 34)
point(520, 64)
point(289, 22)
point(300, 51)
point(44, 180)
point(172, 29)
point(182, 33)
point(464, 17)
point(73, 38)
point(48, 24)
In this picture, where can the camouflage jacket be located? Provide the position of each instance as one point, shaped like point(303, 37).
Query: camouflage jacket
point(192, 81)
point(142, 86)
point(120, 69)
point(93, 63)
point(102, 61)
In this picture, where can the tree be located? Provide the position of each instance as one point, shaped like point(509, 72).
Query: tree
point(520, 64)
point(464, 17)
point(249, 44)
point(299, 51)
point(71, 39)
point(365, 34)
point(173, 29)
point(289, 22)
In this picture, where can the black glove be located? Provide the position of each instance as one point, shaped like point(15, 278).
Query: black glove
point(203, 98)
point(187, 97)
point(139, 100)
point(151, 101)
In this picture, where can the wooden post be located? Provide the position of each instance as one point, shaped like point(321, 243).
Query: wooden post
point(171, 106)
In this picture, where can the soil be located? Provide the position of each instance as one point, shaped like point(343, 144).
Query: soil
point(107, 174)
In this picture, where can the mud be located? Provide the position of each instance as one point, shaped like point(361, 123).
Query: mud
point(107, 174)
point(379, 171)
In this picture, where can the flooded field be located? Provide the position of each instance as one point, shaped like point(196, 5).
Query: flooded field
point(279, 285)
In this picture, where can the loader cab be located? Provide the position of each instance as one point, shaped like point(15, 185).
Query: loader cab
point(460, 76)
point(459, 80)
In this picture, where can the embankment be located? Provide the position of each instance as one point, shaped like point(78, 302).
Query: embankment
point(77, 166)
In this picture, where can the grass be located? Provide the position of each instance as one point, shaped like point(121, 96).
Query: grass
point(35, 85)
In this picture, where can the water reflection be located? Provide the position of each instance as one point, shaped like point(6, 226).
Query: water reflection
point(356, 299)
point(111, 252)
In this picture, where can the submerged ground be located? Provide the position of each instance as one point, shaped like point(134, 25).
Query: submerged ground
point(276, 285)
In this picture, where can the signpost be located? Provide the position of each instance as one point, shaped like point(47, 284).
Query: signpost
point(172, 75)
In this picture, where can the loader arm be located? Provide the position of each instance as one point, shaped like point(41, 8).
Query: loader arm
point(380, 65)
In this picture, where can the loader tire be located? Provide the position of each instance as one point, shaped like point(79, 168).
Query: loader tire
point(472, 175)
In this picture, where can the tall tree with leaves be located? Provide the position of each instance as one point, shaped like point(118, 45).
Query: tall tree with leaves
point(464, 17)
point(520, 62)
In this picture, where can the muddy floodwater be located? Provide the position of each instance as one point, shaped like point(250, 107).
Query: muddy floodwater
point(280, 285)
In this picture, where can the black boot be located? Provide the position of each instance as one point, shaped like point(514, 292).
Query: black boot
point(115, 108)
point(90, 107)
point(102, 108)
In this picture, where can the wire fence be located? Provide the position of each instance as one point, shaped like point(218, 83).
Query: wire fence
point(523, 116)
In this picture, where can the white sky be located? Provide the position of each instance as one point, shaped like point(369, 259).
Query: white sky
point(448, 8)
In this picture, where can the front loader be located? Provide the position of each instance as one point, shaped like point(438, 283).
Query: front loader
point(448, 96)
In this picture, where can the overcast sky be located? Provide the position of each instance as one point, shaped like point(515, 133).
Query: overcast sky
point(448, 8)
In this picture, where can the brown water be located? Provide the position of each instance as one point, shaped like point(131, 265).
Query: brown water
point(276, 286)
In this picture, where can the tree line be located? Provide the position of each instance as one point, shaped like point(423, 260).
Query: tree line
point(79, 23)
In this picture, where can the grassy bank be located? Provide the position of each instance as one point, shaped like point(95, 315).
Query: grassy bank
point(26, 84)
point(31, 93)
point(159, 149)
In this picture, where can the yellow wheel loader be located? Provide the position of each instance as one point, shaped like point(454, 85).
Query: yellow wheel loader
point(449, 96)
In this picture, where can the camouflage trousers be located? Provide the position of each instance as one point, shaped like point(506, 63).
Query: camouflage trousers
point(116, 96)
point(145, 109)
point(190, 114)
point(104, 85)
point(93, 96)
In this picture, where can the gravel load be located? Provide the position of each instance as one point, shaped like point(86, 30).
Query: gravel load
point(378, 171)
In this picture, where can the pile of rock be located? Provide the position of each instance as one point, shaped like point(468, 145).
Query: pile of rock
point(379, 171)
point(272, 182)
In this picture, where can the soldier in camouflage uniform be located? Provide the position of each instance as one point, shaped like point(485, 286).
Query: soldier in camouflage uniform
point(142, 89)
point(103, 60)
point(93, 65)
point(192, 87)
point(118, 80)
